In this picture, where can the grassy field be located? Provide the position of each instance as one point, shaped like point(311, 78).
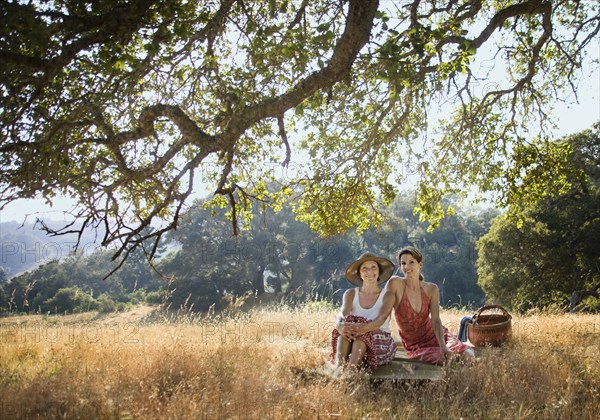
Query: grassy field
point(245, 365)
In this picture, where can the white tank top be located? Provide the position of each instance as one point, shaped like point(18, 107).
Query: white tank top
point(372, 312)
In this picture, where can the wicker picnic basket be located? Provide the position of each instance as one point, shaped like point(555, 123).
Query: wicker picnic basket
point(491, 328)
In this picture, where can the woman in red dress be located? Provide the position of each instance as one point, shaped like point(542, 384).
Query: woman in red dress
point(417, 312)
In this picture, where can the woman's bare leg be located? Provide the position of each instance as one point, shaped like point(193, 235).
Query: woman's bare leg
point(343, 350)
point(359, 349)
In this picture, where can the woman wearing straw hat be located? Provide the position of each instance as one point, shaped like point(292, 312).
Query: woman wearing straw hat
point(362, 304)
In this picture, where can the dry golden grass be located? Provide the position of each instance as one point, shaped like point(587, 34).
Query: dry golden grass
point(241, 366)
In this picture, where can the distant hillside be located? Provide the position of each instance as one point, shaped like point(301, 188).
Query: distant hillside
point(25, 247)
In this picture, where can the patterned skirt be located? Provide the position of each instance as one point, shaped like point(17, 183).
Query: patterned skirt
point(381, 347)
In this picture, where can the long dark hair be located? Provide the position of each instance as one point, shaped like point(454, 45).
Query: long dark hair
point(415, 253)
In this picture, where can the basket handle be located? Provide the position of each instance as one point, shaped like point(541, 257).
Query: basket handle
point(485, 308)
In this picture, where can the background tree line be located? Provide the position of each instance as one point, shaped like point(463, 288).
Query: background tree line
point(204, 266)
point(536, 258)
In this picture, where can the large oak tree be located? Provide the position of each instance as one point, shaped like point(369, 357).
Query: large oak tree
point(129, 106)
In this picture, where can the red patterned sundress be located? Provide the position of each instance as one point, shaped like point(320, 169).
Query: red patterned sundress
point(416, 331)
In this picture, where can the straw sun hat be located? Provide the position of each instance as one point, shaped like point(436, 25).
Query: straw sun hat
point(386, 268)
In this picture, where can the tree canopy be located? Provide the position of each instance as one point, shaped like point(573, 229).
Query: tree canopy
point(129, 106)
point(553, 251)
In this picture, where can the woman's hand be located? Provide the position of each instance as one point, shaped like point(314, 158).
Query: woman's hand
point(358, 329)
point(348, 330)
point(447, 354)
point(353, 330)
point(344, 329)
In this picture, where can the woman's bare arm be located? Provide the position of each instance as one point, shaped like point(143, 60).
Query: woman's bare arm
point(434, 310)
point(346, 310)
